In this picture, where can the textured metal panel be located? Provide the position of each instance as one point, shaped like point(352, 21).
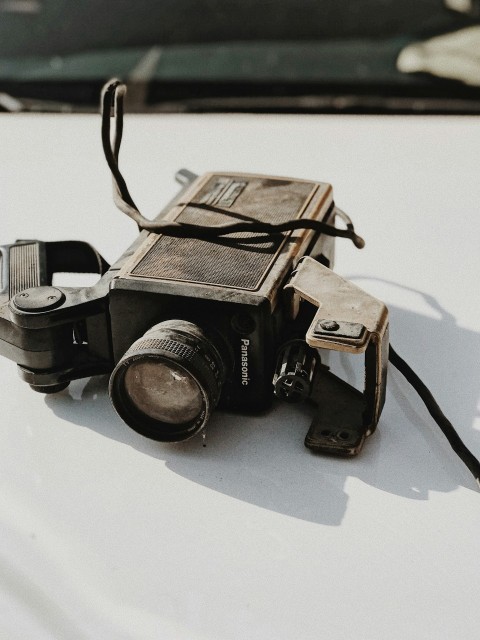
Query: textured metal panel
point(220, 263)
point(24, 265)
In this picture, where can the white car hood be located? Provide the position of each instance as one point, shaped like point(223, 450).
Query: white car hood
point(108, 535)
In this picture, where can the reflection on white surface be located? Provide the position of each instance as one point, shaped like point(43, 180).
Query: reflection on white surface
point(107, 534)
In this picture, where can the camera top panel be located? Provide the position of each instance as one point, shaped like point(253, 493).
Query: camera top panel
point(251, 260)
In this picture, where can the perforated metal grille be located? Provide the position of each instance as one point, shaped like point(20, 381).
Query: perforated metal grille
point(220, 263)
point(24, 268)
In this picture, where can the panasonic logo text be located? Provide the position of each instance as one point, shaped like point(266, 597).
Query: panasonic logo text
point(244, 361)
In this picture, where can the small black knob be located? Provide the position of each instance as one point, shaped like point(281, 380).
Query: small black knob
point(294, 372)
point(39, 299)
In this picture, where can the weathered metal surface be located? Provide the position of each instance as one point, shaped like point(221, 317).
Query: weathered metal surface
point(259, 268)
point(350, 320)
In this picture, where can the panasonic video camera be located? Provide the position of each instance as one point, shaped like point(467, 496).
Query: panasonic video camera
point(184, 325)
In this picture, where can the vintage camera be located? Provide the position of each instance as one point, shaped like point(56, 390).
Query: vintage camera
point(184, 325)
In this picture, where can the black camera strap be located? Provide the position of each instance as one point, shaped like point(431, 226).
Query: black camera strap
point(112, 100)
point(437, 414)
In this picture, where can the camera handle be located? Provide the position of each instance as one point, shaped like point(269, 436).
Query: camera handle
point(349, 320)
point(31, 263)
point(36, 319)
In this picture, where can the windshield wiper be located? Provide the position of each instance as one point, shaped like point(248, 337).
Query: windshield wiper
point(322, 103)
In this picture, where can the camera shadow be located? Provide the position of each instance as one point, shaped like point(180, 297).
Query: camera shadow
point(261, 459)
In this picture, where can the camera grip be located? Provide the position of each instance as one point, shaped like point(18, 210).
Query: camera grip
point(23, 266)
point(32, 263)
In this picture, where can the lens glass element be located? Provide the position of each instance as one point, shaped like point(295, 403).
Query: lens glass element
point(163, 391)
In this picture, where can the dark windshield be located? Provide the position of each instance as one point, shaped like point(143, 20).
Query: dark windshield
point(293, 55)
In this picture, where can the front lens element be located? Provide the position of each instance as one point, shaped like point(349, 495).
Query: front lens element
point(163, 391)
point(169, 381)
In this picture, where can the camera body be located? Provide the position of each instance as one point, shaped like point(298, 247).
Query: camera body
point(186, 324)
point(231, 290)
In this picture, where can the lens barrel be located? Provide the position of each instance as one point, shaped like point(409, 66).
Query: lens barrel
point(169, 381)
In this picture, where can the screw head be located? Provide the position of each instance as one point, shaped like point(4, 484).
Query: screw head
point(330, 325)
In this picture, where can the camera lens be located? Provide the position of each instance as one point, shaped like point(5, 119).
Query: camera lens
point(169, 381)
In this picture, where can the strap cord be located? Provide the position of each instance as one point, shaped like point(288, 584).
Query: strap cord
point(437, 414)
point(112, 98)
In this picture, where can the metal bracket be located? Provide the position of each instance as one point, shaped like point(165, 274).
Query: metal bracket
point(349, 320)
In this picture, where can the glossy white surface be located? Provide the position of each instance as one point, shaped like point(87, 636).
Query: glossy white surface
point(105, 534)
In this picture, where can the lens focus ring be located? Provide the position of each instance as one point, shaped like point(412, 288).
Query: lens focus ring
point(172, 346)
point(196, 358)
